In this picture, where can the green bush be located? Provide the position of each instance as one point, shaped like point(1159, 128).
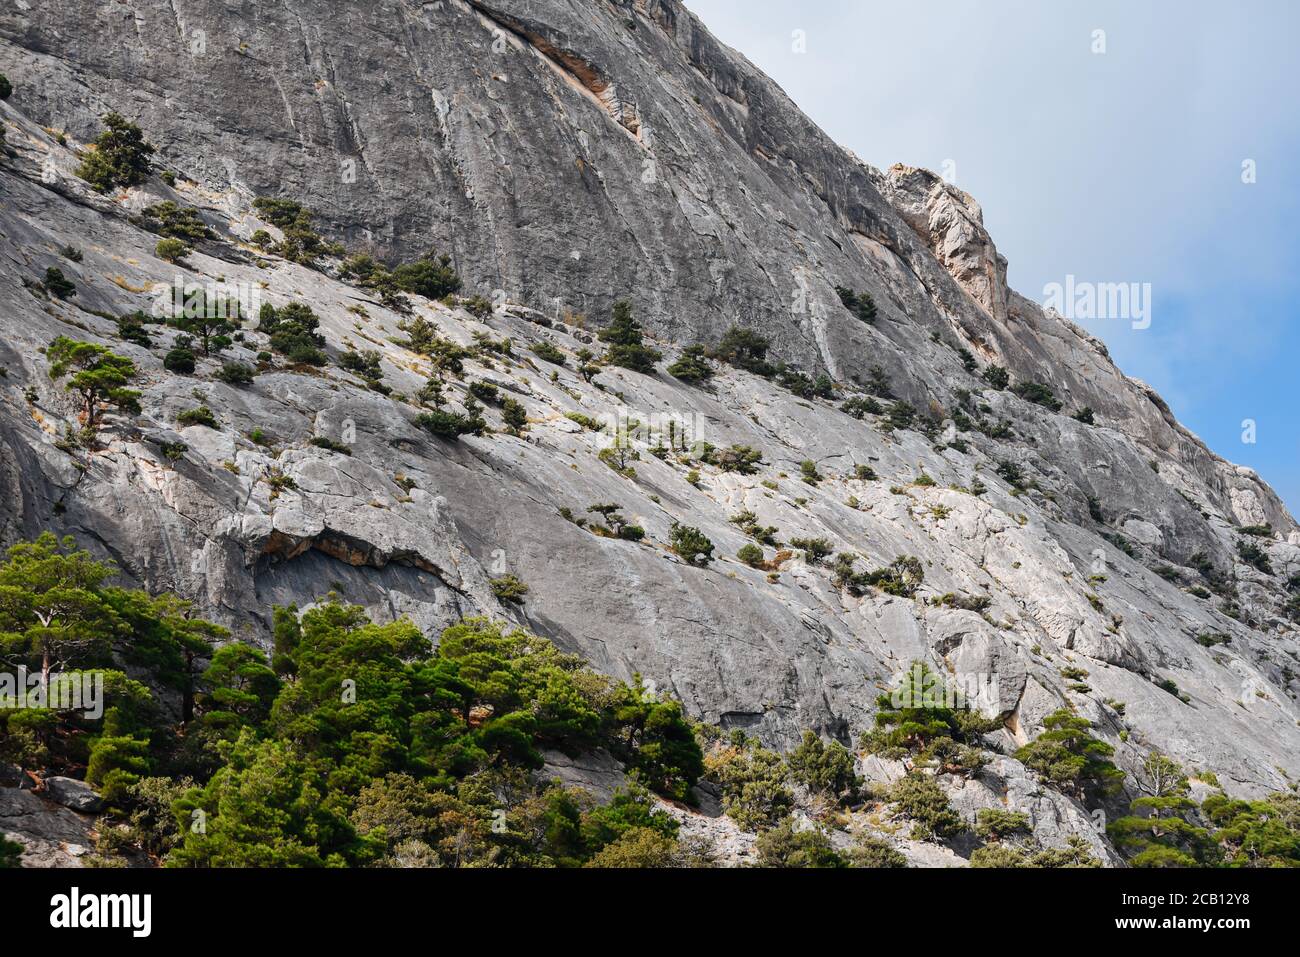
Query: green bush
point(920, 798)
point(860, 406)
point(302, 243)
point(1039, 394)
point(825, 769)
point(860, 304)
point(450, 425)
point(58, 285)
point(174, 221)
point(783, 846)
point(996, 824)
point(692, 365)
point(997, 377)
point(1253, 555)
point(236, 373)
point(171, 250)
point(120, 156)
point(1066, 756)
point(198, 416)
point(690, 544)
point(365, 364)
point(626, 346)
point(741, 459)
point(6, 88)
point(900, 416)
point(751, 555)
point(99, 376)
point(293, 333)
point(548, 353)
point(815, 550)
point(509, 588)
point(754, 786)
point(1077, 854)
point(744, 349)
point(874, 853)
point(180, 360)
point(514, 415)
point(325, 442)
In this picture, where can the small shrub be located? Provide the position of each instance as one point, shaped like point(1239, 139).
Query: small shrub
point(514, 415)
point(692, 365)
point(1039, 394)
point(450, 425)
point(997, 377)
point(690, 544)
point(1253, 555)
point(57, 284)
point(236, 373)
point(548, 353)
point(815, 550)
point(198, 416)
point(859, 303)
point(860, 406)
point(626, 345)
point(120, 156)
point(995, 824)
point(179, 360)
point(510, 589)
point(785, 847)
point(920, 798)
point(324, 442)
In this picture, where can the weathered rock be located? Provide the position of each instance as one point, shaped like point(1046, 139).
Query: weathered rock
point(73, 794)
point(52, 836)
point(600, 151)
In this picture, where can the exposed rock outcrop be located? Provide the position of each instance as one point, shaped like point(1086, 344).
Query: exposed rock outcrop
point(569, 154)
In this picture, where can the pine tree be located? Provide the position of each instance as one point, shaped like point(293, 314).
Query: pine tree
point(626, 345)
point(97, 374)
point(120, 157)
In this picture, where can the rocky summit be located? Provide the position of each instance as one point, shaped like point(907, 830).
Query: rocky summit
point(613, 344)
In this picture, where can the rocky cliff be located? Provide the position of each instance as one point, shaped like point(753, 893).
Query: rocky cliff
point(567, 154)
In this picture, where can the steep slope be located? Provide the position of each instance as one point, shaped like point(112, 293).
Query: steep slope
point(569, 154)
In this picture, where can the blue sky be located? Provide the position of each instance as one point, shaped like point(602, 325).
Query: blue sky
point(1122, 166)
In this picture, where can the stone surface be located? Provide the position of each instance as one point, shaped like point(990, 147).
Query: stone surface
point(73, 794)
point(52, 836)
point(602, 150)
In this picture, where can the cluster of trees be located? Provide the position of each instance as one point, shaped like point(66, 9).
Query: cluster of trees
point(431, 276)
point(354, 743)
point(302, 243)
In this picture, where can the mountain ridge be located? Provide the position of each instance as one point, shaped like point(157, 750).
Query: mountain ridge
point(748, 220)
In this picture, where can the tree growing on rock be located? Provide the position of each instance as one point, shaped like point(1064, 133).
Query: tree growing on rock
point(1067, 756)
point(53, 613)
point(1159, 831)
point(690, 544)
point(825, 769)
point(98, 375)
point(120, 156)
point(627, 347)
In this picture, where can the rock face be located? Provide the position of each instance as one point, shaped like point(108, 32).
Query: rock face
point(51, 836)
point(569, 154)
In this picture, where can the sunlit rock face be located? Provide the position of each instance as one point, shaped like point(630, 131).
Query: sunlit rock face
point(568, 154)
